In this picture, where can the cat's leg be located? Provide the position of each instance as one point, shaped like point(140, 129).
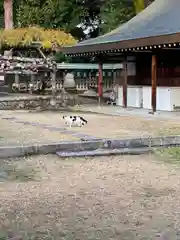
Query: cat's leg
point(70, 124)
point(82, 124)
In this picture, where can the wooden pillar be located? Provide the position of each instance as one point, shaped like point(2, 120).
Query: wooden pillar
point(125, 77)
point(63, 78)
point(53, 80)
point(33, 80)
point(100, 82)
point(16, 78)
point(153, 82)
point(16, 81)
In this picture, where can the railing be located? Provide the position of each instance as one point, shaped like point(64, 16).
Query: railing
point(85, 84)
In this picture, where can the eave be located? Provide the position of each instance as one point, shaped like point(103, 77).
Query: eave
point(149, 43)
point(157, 26)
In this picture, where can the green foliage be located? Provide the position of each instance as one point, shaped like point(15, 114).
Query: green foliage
point(114, 13)
point(60, 57)
point(48, 13)
point(63, 14)
point(67, 15)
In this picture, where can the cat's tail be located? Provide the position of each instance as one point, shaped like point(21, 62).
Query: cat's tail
point(84, 120)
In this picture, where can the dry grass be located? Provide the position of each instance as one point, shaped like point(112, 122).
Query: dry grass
point(119, 198)
point(18, 171)
point(16, 133)
point(169, 155)
point(106, 126)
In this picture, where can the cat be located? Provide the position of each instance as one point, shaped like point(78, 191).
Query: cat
point(74, 120)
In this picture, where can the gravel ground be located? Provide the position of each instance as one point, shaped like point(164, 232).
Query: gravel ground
point(114, 198)
point(16, 133)
point(103, 126)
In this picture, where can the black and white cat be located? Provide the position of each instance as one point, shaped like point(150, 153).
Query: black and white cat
point(74, 120)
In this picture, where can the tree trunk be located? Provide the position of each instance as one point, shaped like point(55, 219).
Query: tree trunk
point(139, 5)
point(8, 14)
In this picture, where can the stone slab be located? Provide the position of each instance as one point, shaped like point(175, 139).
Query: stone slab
point(25, 150)
point(104, 152)
point(143, 142)
point(68, 146)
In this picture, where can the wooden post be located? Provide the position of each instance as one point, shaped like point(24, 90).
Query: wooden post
point(100, 82)
point(63, 78)
point(16, 79)
point(32, 83)
point(32, 78)
point(53, 84)
point(153, 82)
point(125, 83)
point(113, 77)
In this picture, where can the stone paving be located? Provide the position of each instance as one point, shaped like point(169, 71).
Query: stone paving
point(18, 133)
point(49, 126)
point(18, 130)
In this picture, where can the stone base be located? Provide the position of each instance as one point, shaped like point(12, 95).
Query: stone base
point(40, 102)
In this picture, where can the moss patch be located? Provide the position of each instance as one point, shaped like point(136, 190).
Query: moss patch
point(171, 154)
point(12, 171)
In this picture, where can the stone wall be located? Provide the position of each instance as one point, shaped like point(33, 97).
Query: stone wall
point(41, 102)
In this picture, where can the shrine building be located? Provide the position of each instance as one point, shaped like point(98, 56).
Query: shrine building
point(148, 45)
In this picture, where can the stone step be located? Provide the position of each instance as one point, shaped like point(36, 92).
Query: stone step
point(106, 152)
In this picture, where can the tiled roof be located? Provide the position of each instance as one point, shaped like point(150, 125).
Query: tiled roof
point(162, 17)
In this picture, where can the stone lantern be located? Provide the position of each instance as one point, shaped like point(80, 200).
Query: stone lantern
point(69, 82)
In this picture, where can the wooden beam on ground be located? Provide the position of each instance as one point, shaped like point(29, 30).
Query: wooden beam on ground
point(153, 82)
point(125, 77)
point(100, 82)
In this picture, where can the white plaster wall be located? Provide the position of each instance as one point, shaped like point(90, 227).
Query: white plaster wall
point(163, 99)
point(146, 97)
point(134, 96)
point(175, 97)
point(119, 101)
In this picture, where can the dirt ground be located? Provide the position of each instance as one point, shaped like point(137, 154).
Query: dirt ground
point(114, 198)
point(17, 133)
point(101, 126)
